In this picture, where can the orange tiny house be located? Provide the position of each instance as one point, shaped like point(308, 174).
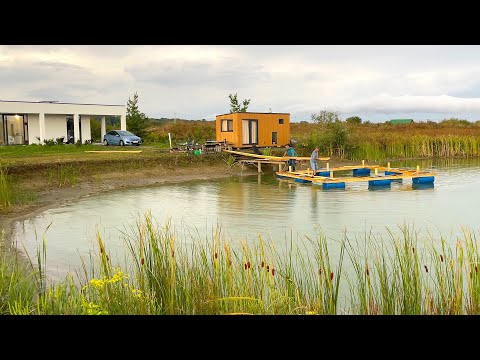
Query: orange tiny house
point(243, 129)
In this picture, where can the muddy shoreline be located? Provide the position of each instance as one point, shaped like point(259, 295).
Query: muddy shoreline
point(55, 197)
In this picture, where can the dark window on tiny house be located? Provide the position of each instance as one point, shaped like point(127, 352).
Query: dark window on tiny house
point(274, 137)
point(280, 121)
point(227, 125)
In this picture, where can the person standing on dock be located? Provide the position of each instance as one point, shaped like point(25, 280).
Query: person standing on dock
point(313, 160)
point(290, 151)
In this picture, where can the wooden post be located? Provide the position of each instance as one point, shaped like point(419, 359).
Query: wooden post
point(259, 167)
point(331, 174)
point(418, 169)
point(328, 166)
point(388, 165)
point(363, 162)
point(290, 168)
point(376, 171)
point(280, 167)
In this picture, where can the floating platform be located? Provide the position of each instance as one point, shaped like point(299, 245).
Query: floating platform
point(382, 177)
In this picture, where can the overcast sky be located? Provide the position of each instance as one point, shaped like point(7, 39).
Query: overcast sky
point(377, 83)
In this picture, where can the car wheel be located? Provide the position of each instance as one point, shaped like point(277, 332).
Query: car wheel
point(105, 142)
point(121, 143)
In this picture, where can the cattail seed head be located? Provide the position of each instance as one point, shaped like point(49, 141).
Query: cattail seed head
point(426, 268)
point(245, 266)
point(441, 258)
point(263, 264)
point(273, 272)
point(413, 250)
point(173, 253)
point(248, 264)
point(268, 268)
point(142, 261)
point(475, 269)
point(331, 276)
point(216, 255)
point(367, 272)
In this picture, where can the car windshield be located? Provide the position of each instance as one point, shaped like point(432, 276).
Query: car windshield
point(125, 133)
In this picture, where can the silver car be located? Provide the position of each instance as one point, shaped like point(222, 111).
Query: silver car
point(121, 137)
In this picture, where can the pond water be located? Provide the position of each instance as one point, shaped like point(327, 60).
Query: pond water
point(248, 206)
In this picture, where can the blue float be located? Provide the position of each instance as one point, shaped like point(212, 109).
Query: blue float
point(393, 173)
point(361, 172)
point(380, 182)
point(334, 185)
point(323, 173)
point(423, 180)
point(303, 181)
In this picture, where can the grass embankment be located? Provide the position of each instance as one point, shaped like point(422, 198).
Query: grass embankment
point(399, 275)
point(26, 171)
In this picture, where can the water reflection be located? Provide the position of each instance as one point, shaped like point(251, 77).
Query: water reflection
point(262, 204)
point(423, 186)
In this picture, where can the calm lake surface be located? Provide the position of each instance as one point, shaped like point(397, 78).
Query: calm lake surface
point(249, 206)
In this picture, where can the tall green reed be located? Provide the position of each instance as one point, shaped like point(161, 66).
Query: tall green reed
point(167, 272)
point(7, 196)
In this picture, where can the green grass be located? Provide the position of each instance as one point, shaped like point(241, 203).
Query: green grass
point(162, 274)
point(7, 195)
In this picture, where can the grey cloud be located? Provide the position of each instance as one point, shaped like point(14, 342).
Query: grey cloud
point(231, 75)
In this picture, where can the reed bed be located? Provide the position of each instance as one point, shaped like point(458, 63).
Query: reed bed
point(167, 274)
point(7, 195)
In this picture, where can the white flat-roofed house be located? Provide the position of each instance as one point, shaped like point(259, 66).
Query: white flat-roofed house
point(28, 122)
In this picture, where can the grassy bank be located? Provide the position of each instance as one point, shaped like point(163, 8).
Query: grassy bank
point(402, 274)
point(29, 170)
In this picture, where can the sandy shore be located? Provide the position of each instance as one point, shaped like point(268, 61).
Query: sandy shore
point(55, 197)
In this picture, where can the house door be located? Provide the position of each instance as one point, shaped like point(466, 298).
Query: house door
point(249, 132)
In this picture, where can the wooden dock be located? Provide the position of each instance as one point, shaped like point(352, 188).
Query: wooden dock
point(257, 160)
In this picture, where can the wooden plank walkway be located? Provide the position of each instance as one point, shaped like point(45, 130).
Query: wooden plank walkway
point(257, 160)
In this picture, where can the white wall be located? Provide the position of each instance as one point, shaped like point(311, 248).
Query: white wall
point(33, 129)
point(55, 126)
point(86, 131)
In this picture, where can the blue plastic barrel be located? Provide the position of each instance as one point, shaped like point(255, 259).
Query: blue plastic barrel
point(323, 173)
point(380, 182)
point(333, 185)
point(361, 172)
point(423, 180)
point(394, 173)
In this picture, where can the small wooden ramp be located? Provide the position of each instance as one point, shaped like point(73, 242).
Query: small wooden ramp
point(245, 158)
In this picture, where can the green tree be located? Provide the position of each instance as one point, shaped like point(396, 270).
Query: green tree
point(136, 120)
point(235, 106)
point(354, 120)
point(326, 117)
